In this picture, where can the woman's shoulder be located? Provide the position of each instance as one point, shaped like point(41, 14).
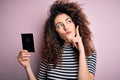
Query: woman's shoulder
point(93, 55)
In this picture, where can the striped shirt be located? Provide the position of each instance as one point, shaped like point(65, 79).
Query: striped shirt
point(68, 70)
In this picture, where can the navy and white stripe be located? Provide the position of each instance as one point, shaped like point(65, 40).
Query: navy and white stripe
point(68, 70)
point(91, 62)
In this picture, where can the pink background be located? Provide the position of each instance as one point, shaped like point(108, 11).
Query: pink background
point(26, 16)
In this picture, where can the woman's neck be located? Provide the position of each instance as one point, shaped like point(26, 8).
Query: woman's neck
point(67, 43)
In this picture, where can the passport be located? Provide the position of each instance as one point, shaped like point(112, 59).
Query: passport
point(28, 42)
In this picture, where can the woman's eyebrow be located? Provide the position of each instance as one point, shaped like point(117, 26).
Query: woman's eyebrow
point(58, 23)
point(67, 19)
point(61, 22)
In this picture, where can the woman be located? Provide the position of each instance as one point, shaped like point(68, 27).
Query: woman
point(67, 51)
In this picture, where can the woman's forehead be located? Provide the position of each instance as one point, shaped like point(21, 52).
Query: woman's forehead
point(61, 17)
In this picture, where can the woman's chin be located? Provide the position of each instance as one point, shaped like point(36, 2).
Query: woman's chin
point(68, 39)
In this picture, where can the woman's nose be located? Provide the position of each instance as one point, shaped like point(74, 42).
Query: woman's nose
point(66, 27)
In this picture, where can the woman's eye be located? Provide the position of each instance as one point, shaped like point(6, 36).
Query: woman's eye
point(59, 26)
point(69, 21)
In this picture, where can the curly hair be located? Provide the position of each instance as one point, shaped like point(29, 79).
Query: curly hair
point(52, 43)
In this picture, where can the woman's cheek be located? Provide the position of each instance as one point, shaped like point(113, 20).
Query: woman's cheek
point(68, 37)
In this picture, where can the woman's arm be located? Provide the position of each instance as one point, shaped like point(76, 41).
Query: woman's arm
point(30, 73)
point(83, 72)
point(24, 60)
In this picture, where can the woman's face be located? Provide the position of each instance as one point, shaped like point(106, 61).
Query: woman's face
point(65, 27)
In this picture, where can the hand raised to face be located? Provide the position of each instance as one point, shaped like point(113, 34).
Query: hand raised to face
point(77, 40)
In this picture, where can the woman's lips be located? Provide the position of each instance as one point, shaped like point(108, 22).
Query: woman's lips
point(68, 32)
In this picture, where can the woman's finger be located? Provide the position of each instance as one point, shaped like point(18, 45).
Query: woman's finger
point(77, 31)
point(25, 58)
point(23, 53)
point(74, 42)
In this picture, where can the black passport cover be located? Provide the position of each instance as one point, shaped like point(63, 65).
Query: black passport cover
point(28, 42)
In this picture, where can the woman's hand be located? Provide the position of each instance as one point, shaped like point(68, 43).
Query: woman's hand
point(24, 58)
point(77, 41)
